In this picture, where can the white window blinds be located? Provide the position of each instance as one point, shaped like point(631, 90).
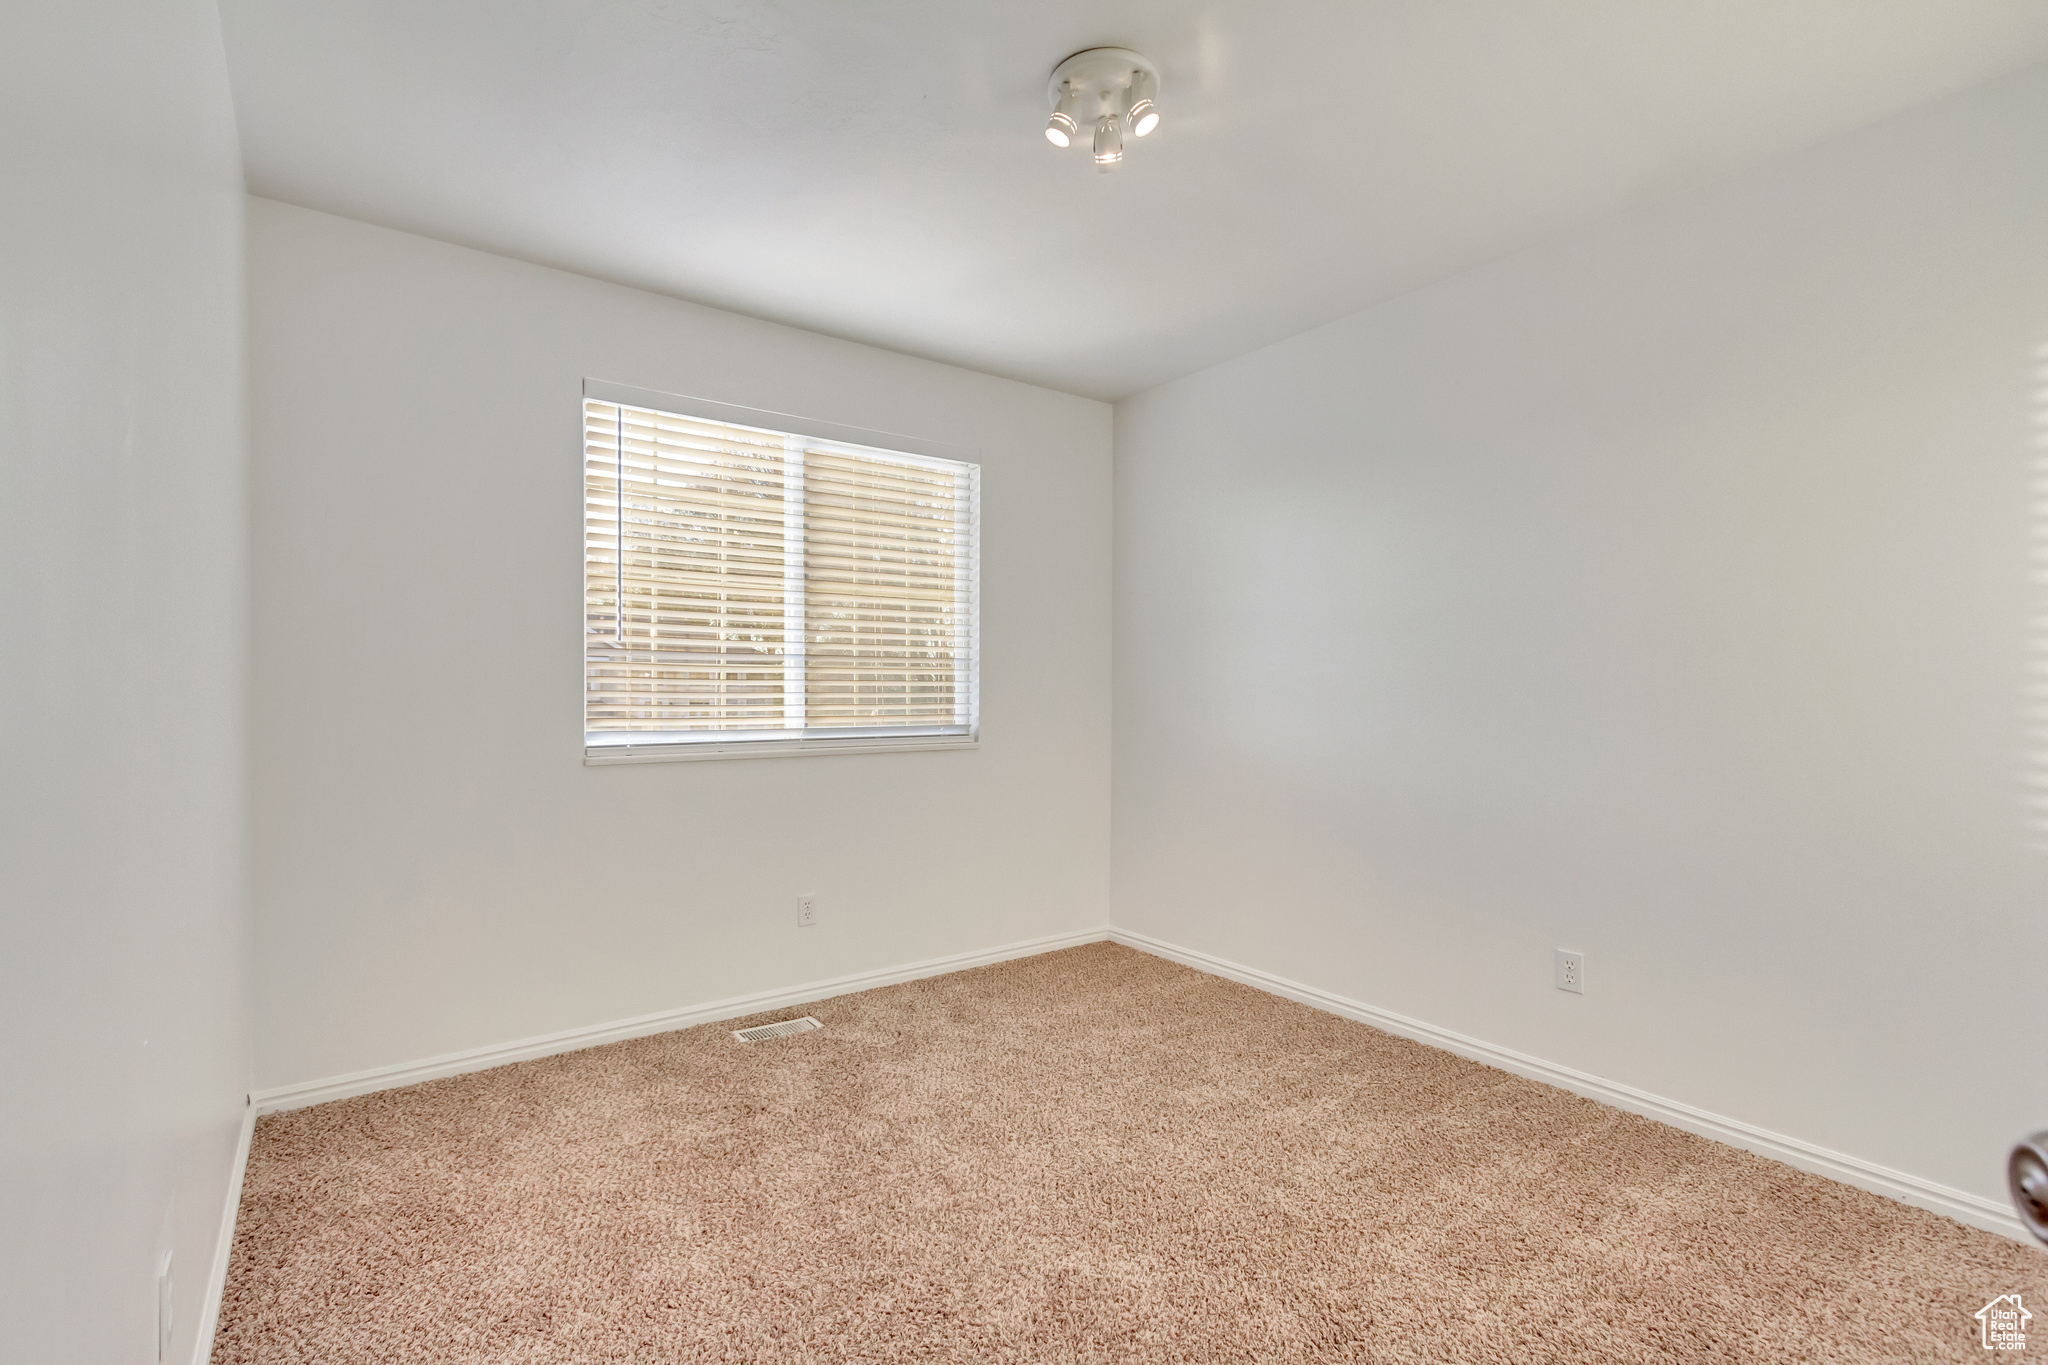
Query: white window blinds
point(748, 590)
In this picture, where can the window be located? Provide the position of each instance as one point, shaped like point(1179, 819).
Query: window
point(749, 590)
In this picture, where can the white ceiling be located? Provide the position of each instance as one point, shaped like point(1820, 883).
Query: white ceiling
point(875, 168)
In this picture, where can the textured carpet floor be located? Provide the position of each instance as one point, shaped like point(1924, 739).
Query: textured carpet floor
point(1091, 1155)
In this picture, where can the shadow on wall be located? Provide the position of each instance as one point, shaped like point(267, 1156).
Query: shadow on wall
point(2034, 779)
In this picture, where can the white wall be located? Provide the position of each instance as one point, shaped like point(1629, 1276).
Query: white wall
point(1661, 593)
point(123, 914)
point(435, 868)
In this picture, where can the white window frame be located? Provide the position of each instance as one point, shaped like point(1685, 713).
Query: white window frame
point(659, 746)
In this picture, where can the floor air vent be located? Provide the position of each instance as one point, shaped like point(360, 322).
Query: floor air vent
point(762, 1032)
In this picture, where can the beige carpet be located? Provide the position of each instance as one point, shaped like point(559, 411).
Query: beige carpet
point(1092, 1155)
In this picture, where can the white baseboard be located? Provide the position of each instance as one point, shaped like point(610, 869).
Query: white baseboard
point(1971, 1209)
point(224, 1244)
point(570, 1040)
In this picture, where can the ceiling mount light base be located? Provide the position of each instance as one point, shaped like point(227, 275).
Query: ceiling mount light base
point(1109, 90)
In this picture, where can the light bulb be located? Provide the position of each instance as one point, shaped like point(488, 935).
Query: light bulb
point(1109, 143)
point(1144, 113)
point(1060, 129)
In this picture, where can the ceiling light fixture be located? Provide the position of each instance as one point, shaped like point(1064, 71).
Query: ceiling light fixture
point(1144, 113)
point(1109, 143)
point(1061, 129)
point(1112, 88)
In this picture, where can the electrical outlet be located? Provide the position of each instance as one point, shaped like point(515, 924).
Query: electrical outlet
point(806, 911)
point(163, 1308)
point(1571, 972)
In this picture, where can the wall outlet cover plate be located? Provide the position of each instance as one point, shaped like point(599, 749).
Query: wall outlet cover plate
point(1571, 972)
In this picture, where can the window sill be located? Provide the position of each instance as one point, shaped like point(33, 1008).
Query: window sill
point(610, 755)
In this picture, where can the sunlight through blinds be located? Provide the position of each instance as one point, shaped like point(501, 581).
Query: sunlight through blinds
point(744, 584)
